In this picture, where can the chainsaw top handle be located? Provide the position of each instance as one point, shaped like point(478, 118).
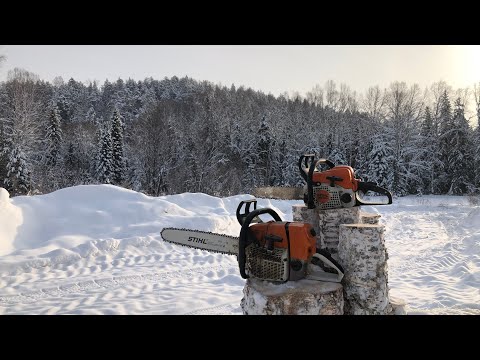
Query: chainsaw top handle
point(246, 235)
point(307, 161)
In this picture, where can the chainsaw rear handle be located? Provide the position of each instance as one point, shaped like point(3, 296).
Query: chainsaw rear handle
point(247, 237)
point(371, 186)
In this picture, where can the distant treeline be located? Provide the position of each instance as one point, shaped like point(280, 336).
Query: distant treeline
point(182, 135)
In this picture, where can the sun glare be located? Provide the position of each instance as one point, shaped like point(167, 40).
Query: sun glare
point(467, 61)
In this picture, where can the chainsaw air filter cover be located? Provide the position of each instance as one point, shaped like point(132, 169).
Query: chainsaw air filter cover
point(328, 197)
point(267, 265)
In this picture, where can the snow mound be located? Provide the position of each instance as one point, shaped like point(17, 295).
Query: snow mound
point(10, 219)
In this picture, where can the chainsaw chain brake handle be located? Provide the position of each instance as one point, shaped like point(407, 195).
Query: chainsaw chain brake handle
point(246, 235)
point(371, 186)
point(242, 216)
point(308, 160)
point(305, 163)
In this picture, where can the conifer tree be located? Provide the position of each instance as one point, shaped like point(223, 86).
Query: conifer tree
point(462, 153)
point(18, 180)
point(379, 158)
point(53, 137)
point(446, 143)
point(265, 151)
point(104, 166)
point(118, 160)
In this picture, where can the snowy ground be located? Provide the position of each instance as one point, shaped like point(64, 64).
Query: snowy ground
point(97, 250)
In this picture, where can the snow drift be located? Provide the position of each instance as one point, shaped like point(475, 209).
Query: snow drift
point(10, 220)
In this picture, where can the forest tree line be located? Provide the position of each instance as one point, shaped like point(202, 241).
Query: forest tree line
point(182, 135)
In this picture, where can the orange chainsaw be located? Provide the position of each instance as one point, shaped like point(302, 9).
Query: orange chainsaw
point(276, 250)
point(336, 187)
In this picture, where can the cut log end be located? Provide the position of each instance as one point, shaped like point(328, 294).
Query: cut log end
point(303, 297)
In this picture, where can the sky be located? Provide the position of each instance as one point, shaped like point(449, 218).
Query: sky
point(273, 69)
point(270, 68)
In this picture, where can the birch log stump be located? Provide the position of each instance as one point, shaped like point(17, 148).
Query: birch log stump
point(327, 223)
point(303, 297)
point(369, 218)
point(363, 255)
point(361, 251)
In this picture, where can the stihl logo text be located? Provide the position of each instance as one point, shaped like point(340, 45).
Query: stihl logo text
point(197, 240)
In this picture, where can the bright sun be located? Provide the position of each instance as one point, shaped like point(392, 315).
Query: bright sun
point(467, 61)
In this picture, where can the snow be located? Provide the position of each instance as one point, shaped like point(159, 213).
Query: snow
point(96, 249)
point(10, 219)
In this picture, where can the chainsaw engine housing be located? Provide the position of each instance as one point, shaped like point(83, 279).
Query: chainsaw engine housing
point(336, 187)
point(281, 250)
point(328, 194)
point(278, 251)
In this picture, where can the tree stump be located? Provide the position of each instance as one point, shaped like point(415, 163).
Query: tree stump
point(303, 297)
point(363, 255)
point(369, 218)
point(356, 240)
point(303, 214)
point(326, 224)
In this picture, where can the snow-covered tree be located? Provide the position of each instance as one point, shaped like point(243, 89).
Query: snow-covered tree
point(427, 158)
point(446, 129)
point(53, 137)
point(265, 148)
point(209, 147)
point(18, 180)
point(379, 162)
point(153, 142)
point(104, 166)
point(91, 116)
point(476, 142)
point(337, 156)
point(21, 112)
point(477, 154)
point(118, 160)
point(462, 153)
point(226, 140)
point(404, 111)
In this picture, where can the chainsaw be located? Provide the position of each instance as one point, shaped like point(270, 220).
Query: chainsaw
point(276, 250)
point(336, 187)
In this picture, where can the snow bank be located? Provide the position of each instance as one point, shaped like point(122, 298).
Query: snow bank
point(73, 216)
point(10, 219)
